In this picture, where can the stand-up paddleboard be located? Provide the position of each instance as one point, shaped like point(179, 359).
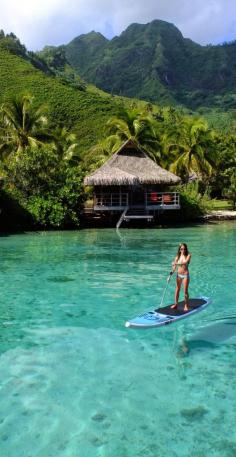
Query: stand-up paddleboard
point(167, 315)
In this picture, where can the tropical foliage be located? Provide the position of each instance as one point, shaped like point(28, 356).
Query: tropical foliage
point(230, 191)
point(79, 110)
point(194, 153)
point(22, 125)
point(193, 202)
point(137, 126)
point(181, 143)
point(40, 168)
point(46, 186)
point(54, 133)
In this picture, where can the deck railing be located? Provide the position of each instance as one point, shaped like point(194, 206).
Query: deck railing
point(162, 199)
point(111, 200)
point(151, 201)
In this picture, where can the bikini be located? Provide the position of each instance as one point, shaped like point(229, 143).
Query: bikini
point(181, 276)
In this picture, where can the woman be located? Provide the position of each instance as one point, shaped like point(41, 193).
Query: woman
point(182, 261)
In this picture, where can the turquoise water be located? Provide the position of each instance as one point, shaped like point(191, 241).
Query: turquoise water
point(74, 382)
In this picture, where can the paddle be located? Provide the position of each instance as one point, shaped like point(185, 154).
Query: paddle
point(168, 280)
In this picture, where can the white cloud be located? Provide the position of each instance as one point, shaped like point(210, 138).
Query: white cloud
point(41, 22)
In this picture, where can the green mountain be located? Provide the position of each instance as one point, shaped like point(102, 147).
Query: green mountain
point(70, 102)
point(156, 63)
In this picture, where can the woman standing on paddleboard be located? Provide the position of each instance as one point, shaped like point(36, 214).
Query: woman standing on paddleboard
point(181, 262)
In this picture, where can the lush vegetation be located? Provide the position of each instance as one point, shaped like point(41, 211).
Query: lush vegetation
point(45, 133)
point(58, 128)
point(194, 203)
point(183, 144)
point(154, 62)
point(46, 186)
point(82, 111)
point(40, 166)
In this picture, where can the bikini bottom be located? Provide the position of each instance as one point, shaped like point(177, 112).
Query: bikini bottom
point(181, 276)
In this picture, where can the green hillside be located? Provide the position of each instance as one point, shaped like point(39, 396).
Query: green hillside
point(84, 110)
point(43, 177)
point(43, 189)
point(155, 62)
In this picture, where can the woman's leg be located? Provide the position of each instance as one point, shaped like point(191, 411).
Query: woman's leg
point(186, 296)
point(177, 290)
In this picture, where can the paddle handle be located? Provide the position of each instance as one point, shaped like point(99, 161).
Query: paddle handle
point(169, 277)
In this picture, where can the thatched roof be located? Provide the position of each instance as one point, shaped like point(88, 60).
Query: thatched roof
point(130, 166)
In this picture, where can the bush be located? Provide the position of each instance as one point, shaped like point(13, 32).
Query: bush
point(230, 192)
point(47, 187)
point(193, 203)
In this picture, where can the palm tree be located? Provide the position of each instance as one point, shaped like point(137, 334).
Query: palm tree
point(99, 153)
point(22, 125)
point(141, 128)
point(225, 146)
point(65, 144)
point(192, 151)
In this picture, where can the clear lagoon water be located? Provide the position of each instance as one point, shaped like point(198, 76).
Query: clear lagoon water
point(74, 382)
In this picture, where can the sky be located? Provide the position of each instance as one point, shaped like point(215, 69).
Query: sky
point(38, 23)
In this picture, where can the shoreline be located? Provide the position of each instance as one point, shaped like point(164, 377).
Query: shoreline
point(216, 215)
point(221, 215)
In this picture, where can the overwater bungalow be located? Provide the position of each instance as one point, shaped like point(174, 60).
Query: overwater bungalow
point(133, 185)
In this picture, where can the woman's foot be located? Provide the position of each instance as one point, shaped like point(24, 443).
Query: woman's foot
point(174, 306)
point(186, 308)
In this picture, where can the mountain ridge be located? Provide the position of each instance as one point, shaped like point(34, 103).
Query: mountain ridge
point(155, 62)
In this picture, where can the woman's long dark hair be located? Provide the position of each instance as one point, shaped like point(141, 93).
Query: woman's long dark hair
point(185, 250)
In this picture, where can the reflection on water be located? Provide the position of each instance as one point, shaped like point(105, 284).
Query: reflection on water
point(210, 336)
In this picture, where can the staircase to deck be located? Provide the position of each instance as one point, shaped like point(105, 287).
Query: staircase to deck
point(134, 213)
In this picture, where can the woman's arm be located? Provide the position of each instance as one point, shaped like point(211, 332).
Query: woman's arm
point(174, 264)
point(186, 262)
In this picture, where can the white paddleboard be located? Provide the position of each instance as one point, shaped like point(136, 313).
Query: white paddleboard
point(168, 315)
